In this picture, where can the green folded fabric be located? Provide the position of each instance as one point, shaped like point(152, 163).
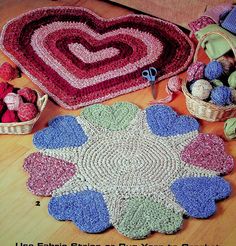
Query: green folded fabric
point(215, 45)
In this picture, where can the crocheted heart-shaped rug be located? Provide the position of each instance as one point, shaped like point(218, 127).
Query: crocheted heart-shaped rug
point(79, 58)
point(137, 170)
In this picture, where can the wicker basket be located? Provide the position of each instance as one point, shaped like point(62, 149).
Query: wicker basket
point(206, 110)
point(26, 126)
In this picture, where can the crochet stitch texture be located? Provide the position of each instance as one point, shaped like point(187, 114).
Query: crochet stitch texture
point(79, 58)
point(137, 170)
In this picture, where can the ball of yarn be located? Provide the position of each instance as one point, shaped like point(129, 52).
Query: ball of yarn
point(9, 116)
point(174, 84)
point(230, 128)
point(27, 111)
point(2, 104)
point(233, 93)
point(201, 89)
point(227, 63)
point(13, 101)
point(28, 95)
point(232, 80)
point(195, 71)
point(5, 88)
point(7, 72)
point(217, 82)
point(221, 95)
point(190, 85)
point(213, 70)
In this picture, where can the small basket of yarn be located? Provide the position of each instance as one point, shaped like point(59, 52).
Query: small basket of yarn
point(207, 97)
point(20, 112)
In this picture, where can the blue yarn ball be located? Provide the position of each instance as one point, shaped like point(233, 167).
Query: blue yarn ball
point(221, 95)
point(213, 70)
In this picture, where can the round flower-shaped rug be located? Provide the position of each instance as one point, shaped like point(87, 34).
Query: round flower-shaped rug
point(137, 170)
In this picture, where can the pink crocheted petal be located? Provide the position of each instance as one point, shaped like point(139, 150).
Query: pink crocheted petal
point(207, 151)
point(47, 173)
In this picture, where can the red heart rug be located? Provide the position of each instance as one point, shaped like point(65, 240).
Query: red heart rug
point(79, 58)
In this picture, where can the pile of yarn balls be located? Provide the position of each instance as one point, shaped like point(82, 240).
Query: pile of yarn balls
point(214, 82)
point(17, 105)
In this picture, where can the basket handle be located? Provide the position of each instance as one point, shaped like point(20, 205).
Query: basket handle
point(43, 101)
point(208, 34)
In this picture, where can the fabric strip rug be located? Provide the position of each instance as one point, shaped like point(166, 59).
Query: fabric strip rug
point(79, 58)
point(137, 170)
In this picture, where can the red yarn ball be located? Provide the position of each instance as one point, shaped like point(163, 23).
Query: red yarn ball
point(174, 84)
point(29, 95)
point(9, 116)
point(5, 88)
point(7, 72)
point(195, 71)
point(2, 104)
point(27, 111)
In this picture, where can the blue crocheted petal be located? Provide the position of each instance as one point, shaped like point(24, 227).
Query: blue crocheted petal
point(63, 207)
point(164, 121)
point(58, 120)
point(63, 131)
point(198, 195)
point(87, 209)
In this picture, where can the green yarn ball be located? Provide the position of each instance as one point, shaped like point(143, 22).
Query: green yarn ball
point(230, 128)
point(232, 80)
point(217, 82)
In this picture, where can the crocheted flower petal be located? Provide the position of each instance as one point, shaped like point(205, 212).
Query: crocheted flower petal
point(76, 184)
point(198, 195)
point(164, 121)
point(63, 131)
point(70, 154)
point(207, 151)
point(115, 117)
point(87, 209)
point(144, 215)
point(47, 173)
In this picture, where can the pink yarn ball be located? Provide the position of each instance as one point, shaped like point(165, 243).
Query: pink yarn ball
point(13, 101)
point(29, 95)
point(27, 111)
point(174, 84)
point(195, 71)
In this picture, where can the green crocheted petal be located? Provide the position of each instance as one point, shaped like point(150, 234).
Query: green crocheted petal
point(115, 117)
point(144, 215)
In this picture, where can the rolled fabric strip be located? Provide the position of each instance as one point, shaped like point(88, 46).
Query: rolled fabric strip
point(173, 85)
